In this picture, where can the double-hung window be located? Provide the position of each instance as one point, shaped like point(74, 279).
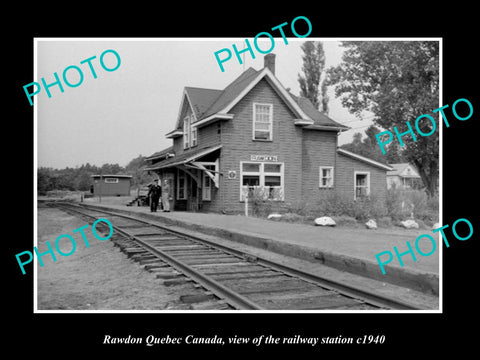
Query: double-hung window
point(189, 132)
point(262, 121)
point(326, 177)
point(194, 135)
point(262, 181)
point(362, 184)
point(186, 132)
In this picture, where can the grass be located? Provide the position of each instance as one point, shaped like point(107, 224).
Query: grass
point(399, 205)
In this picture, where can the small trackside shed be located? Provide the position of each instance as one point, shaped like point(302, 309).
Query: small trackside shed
point(111, 185)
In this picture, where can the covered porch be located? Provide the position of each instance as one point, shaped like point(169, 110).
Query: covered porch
point(193, 178)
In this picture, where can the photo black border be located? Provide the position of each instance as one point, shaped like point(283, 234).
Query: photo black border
point(82, 334)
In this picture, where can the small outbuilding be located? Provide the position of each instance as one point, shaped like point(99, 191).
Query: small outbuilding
point(403, 176)
point(111, 185)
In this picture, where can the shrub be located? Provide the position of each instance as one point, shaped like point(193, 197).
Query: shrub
point(384, 221)
point(345, 220)
point(394, 204)
point(258, 205)
point(421, 224)
point(401, 204)
point(292, 217)
point(299, 207)
point(334, 204)
point(368, 208)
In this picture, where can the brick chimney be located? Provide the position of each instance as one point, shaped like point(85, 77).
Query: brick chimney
point(269, 62)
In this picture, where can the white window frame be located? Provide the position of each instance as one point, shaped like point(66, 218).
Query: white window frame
point(320, 176)
point(270, 122)
point(262, 174)
point(194, 133)
point(186, 132)
point(110, 180)
point(355, 182)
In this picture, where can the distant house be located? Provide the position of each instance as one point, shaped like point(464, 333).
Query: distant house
point(403, 176)
point(254, 138)
point(111, 185)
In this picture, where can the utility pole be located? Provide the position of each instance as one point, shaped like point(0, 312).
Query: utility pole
point(100, 188)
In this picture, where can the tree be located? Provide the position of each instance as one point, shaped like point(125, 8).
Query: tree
point(44, 180)
point(396, 81)
point(135, 168)
point(368, 147)
point(313, 69)
point(79, 178)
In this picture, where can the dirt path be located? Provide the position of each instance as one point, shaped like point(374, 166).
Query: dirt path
point(96, 278)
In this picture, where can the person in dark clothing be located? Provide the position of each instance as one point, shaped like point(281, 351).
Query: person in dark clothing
point(154, 193)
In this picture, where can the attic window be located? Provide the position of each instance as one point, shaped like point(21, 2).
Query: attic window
point(262, 121)
point(186, 132)
point(189, 133)
point(194, 136)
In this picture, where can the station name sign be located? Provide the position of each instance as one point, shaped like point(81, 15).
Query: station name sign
point(263, 157)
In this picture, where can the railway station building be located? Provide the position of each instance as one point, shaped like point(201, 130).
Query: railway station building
point(254, 138)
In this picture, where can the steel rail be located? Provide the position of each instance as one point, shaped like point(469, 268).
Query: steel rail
point(232, 298)
point(346, 290)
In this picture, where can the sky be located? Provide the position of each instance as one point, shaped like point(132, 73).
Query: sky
point(127, 112)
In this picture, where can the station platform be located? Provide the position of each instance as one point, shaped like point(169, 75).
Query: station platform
point(348, 249)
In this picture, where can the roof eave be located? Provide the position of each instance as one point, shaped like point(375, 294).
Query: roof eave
point(212, 118)
point(364, 159)
point(166, 156)
point(326, 128)
point(112, 175)
point(303, 122)
point(174, 134)
point(277, 85)
point(186, 160)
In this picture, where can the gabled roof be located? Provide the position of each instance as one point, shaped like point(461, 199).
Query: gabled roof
point(207, 102)
point(319, 118)
point(232, 91)
point(401, 170)
point(201, 99)
point(210, 104)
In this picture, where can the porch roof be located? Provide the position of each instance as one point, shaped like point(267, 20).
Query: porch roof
point(184, 158)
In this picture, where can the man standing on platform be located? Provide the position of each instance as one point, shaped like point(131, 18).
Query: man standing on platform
point(166, 195)
point(154, 192)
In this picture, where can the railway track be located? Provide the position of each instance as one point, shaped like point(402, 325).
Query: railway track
point(235, 279)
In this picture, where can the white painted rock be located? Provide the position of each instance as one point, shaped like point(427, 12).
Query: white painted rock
point(410, 224)
point(436, 226)
point(371, 224)
point(325, 221)
point(274, 216)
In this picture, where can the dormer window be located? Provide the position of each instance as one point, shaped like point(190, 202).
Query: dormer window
point(189, 133)
point(186, 132)
point(194, 135)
